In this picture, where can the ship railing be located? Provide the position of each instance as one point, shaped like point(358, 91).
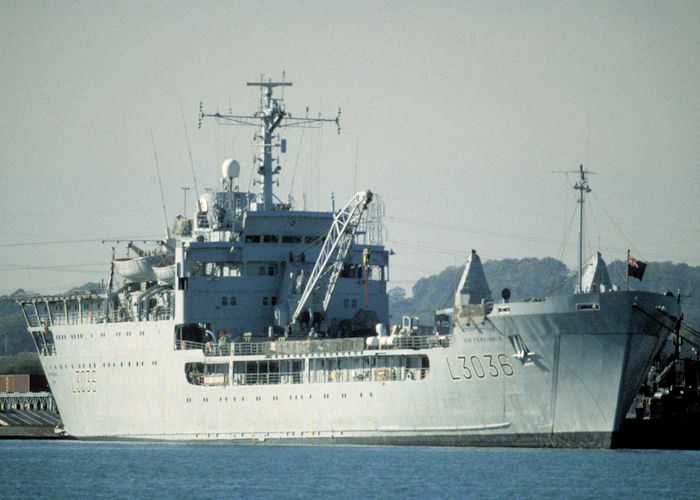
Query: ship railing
point(394, 374)
point(421, 341)
point(188, 344)
point(119, 316)
point(122, 315)
point(245, 348)
point(355, 344)
point(311, 346)
point(294, 377)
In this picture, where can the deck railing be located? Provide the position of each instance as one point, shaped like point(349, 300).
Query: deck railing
point(311, 346)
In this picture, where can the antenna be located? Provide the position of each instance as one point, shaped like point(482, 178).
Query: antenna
point(582, 187)
point(160, 183)
point(189, 150)
point(357, 149)
point(271, 115)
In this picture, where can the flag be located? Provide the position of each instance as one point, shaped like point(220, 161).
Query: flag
point(635, 268)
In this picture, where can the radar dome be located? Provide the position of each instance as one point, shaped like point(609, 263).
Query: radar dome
point(230, 168)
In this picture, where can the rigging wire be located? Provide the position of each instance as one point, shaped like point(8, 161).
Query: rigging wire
point(296, 163)
point(189, 150)
point(82, 240)
point(92, 212)
point(631, 246)
point(482, 232)
point(319, 167)
point(160, 183)
point(62, 267)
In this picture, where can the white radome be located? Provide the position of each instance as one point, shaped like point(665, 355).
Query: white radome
point(230, 169)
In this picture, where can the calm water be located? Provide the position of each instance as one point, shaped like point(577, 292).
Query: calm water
point(67, 469)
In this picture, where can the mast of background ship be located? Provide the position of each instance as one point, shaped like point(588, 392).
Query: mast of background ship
point(270, 116)
point(582, 187)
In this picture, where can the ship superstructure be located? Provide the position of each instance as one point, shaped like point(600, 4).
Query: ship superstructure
point(256, 322)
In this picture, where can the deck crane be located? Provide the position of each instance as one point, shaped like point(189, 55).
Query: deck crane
point(335, 248)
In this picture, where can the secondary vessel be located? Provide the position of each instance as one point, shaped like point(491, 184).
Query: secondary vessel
point(256, 322)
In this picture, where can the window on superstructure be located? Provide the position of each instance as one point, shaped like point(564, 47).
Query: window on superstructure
point(270, 238)
point(264, 301)
point(375, 273)
point(291, 238)
point(273, 301)
point(224, 301)
point(252, 238)
point(233, 301)
point(352, 271)
point(230, 269)
point(262, 268)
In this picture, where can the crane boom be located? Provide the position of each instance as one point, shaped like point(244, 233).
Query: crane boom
point(335, 248)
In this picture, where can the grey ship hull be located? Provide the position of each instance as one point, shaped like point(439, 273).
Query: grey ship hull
point(561, 372)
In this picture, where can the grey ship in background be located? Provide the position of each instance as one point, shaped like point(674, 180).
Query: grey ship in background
point(259, 323)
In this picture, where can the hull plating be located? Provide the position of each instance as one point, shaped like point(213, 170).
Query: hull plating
point(572, 386)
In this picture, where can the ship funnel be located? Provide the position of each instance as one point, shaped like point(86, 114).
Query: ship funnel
point(595, 276)
point(473, 287)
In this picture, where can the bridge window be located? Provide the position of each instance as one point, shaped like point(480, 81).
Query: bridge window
point(262, 268)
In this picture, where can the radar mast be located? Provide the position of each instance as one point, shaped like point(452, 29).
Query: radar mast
point(270, 116)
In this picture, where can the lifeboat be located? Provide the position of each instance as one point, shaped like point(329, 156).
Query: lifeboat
point(137, 269)
point(165, 274)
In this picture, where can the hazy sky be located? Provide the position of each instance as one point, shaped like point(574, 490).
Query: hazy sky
point(460, 111)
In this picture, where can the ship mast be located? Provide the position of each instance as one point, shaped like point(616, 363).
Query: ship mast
point(270, 116)
point(582, 187)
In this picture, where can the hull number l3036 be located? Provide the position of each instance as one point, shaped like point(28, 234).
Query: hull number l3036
point(486, 365)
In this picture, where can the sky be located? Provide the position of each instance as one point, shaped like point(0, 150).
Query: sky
point(459, 115)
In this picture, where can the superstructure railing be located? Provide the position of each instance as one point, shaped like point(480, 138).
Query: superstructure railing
point(312, 346)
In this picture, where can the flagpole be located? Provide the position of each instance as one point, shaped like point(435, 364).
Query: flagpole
point(627, 272)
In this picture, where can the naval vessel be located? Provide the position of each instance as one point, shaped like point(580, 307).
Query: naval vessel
point(257, 322)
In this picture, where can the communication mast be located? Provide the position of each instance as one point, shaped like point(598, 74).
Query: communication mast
point(271, 115)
